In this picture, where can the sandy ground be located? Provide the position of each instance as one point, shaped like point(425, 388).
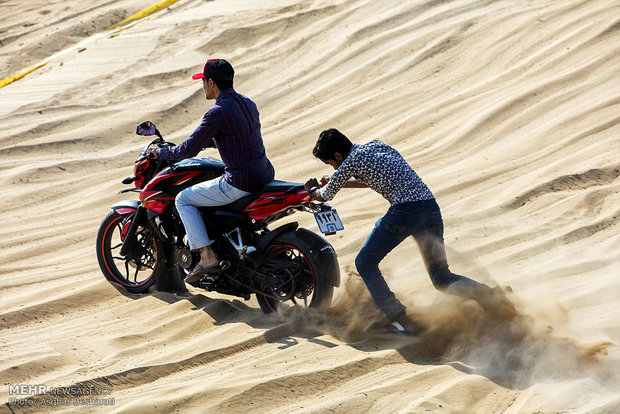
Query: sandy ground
point(509, 110)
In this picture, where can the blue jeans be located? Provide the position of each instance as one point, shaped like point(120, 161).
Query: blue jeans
point(216, 192)
point(422, 220)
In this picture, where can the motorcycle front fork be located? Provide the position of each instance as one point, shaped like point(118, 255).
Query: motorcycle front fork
point(130, 237)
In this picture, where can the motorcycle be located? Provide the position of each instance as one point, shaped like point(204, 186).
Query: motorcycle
point(143, 241)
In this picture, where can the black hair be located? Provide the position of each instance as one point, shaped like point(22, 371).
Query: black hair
point(221, 72)
point(331, 141)
point(223, 84)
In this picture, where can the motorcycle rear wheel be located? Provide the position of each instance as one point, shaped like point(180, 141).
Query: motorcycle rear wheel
point(306, 284)
point(134, 275)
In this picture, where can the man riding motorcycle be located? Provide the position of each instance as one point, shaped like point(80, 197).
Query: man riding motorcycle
point(232, 126)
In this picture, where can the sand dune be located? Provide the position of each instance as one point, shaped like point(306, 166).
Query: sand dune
point(507, 109)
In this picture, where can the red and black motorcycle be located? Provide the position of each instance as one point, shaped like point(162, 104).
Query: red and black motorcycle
point(141, 242)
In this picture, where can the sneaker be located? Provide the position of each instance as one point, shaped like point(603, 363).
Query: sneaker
point(405, 326)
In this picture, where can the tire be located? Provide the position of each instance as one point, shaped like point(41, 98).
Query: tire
point(312, 289)
point(134, 276)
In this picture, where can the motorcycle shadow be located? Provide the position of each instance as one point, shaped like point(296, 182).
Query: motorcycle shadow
point(221, 310)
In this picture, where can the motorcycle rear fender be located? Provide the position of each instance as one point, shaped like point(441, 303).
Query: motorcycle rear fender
point(126, 207)
point(326, 251)
point(264, 243)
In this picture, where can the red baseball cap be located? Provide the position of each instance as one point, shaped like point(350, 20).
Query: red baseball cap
point(216, 69)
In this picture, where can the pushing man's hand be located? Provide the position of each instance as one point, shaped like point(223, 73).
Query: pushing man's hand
point(313, 182)
point(312, 187)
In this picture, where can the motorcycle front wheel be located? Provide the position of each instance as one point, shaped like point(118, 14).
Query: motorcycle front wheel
point(135, 274)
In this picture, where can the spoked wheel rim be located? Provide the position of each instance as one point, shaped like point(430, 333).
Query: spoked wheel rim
point(132, 272)
point(299, 281)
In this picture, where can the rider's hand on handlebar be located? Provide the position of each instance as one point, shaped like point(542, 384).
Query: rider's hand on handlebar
point(151, 151)
point(325, 180)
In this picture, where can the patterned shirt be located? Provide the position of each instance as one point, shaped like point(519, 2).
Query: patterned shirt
point(232, 126)
point(383, 169)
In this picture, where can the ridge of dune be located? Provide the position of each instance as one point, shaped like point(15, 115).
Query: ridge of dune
point(507, 109)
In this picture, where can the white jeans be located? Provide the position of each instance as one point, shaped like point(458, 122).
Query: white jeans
point(216, 192)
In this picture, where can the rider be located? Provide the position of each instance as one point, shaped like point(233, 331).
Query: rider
point(413, 212)
point(232, 126)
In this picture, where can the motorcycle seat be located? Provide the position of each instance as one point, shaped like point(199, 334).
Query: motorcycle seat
point(274, 186)
point(239, 205)
point(281, 186)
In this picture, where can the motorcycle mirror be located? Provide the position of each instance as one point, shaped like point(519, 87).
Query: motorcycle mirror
point(146, 128)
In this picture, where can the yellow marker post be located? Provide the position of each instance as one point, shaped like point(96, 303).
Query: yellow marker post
point(12, 79)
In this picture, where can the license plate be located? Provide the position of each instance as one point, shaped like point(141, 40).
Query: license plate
point(328, 221)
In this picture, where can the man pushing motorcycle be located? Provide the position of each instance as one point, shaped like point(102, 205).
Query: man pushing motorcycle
point(413, 212)
point(232, 126)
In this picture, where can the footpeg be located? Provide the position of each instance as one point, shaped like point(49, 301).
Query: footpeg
point(224, 264)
